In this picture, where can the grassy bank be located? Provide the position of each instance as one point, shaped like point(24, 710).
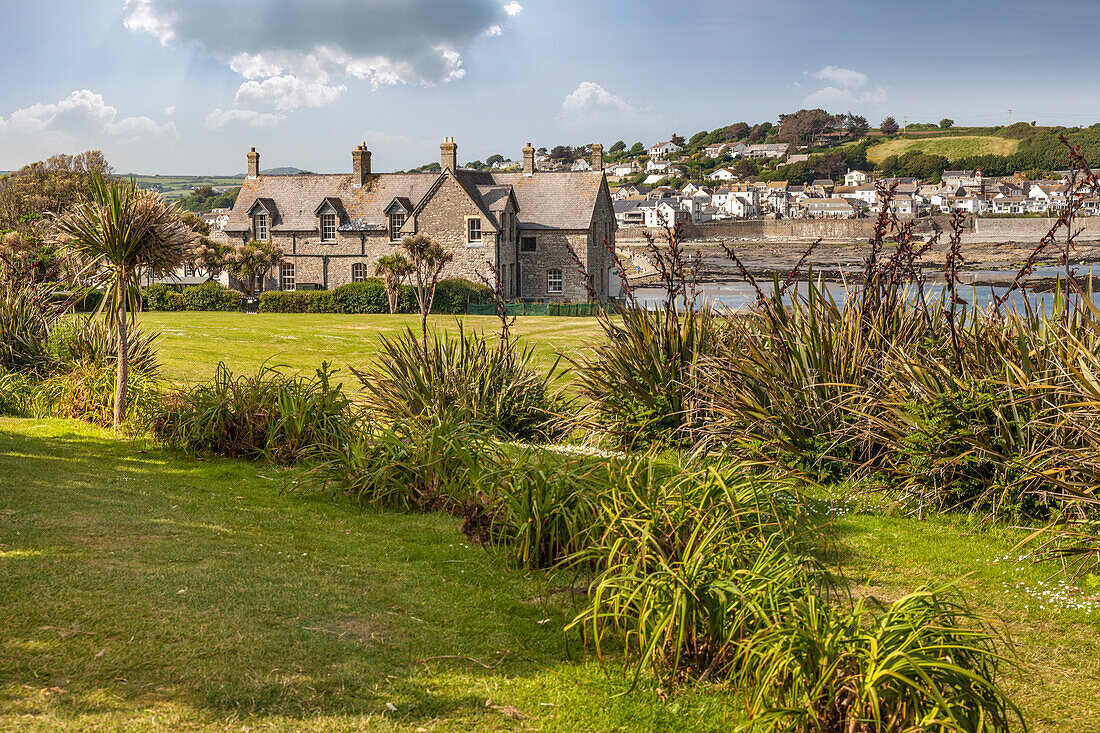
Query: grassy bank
point(194, 342)
point(951, 147)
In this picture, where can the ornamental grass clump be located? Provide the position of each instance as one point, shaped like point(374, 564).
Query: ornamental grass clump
point(463, 377)
point(278, 417)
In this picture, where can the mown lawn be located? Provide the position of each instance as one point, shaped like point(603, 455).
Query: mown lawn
point(141, 590)
point(194, 342)
point(951, 147)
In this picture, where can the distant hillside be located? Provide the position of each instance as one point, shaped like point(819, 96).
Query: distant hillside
point(284, 171)
point(954, 147)
point(177, 187)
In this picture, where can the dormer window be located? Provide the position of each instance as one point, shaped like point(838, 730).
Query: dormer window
point(328, 227)
point(397, 220)
point(259, 227)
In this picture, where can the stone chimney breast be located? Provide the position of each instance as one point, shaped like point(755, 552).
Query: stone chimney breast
point(360, 164)
point(253, 164)
point(597, 157)
point(528, 160)
point(448, 154)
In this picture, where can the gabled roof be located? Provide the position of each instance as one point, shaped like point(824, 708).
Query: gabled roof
point(333, 203)
point(546, 200)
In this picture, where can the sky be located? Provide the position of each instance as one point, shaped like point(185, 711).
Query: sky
point(188, 86)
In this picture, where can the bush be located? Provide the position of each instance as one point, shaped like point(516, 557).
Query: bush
point(16, 394)
point(23, 332)
point(453, 294)
point(302, 301)
point(93, 343)
point(88, 393)
point(160, 297)
point(281, 418)
point(368, 296)
point(210, 296)
point(464, 377)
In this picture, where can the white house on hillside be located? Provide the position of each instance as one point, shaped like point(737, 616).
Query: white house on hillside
point(660, 150)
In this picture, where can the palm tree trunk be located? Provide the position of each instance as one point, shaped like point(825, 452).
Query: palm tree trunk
point(122, 378)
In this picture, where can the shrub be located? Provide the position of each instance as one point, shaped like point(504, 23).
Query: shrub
point(23, 332)
point(438, 466)
point(303, 301)
point(368, 296)
point(464, 377)
point(270, 415)
point(16, 394)
point(75, 344)
point(210, 296)
point(642, 382)
point(453, 294)
point(87, 393)
point(160, 297)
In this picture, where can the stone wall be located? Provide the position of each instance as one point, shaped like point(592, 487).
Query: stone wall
point(1027, 230)
point(834, 230)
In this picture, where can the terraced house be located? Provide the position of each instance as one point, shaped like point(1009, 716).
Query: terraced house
point(333, 228)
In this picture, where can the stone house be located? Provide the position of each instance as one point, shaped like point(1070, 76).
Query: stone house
point(332, 228)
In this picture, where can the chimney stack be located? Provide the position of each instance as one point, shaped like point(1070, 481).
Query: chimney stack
point(253, 164)
point(597, 156)
point(448, 154)
point(528, 160)
point(360, 165)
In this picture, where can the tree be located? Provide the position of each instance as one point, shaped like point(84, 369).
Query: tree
point(618, 147)
point(495, 158)
point(677, 139)
point(855, 125)
point(946, 122)
point(889, 126)
point(805, 126)
point(209, 257)
point(124, 232)
point(393, 269)
point(636, 149)
point(698, 138)
point(246, 261)
point(48, 188)
point(427, 260)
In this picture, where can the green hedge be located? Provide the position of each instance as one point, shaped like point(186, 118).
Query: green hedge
point(160, 297)
point(454, 294)
point(210, 296)
point(368, 296)
point(302, 301)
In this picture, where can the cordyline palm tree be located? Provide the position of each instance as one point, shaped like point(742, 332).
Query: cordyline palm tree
point(122, 232)
point(427, 260)
point(393, 269)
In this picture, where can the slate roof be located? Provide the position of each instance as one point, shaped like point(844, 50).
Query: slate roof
point(546, 200)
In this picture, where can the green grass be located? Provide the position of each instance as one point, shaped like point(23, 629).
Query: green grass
point(952, 147)
point(144, 590)
point(194, 342)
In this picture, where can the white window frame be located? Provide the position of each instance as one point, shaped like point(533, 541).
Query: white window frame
point(260, 230)
point(287, 277)
point(361, 268)
point(328, 227)
point(555, 283)
point(258, 282)
point(395, 231)
point(470, 222)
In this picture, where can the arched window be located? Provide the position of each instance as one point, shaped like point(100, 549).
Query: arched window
point(553, 282)
point(358, 272)
point(286, 276)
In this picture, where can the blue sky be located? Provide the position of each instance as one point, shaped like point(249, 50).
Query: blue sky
point(187, 86)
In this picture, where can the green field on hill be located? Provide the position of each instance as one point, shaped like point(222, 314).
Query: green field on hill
point(175, 187)
point(953, 147)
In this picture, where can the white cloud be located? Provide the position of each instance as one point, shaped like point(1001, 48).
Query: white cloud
point(82, 116)
point(589, 99)
point(307, 44)
point(846, 88)
point(219, 119)
point(170, 110)
point(287, 92)
point(845, 78)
